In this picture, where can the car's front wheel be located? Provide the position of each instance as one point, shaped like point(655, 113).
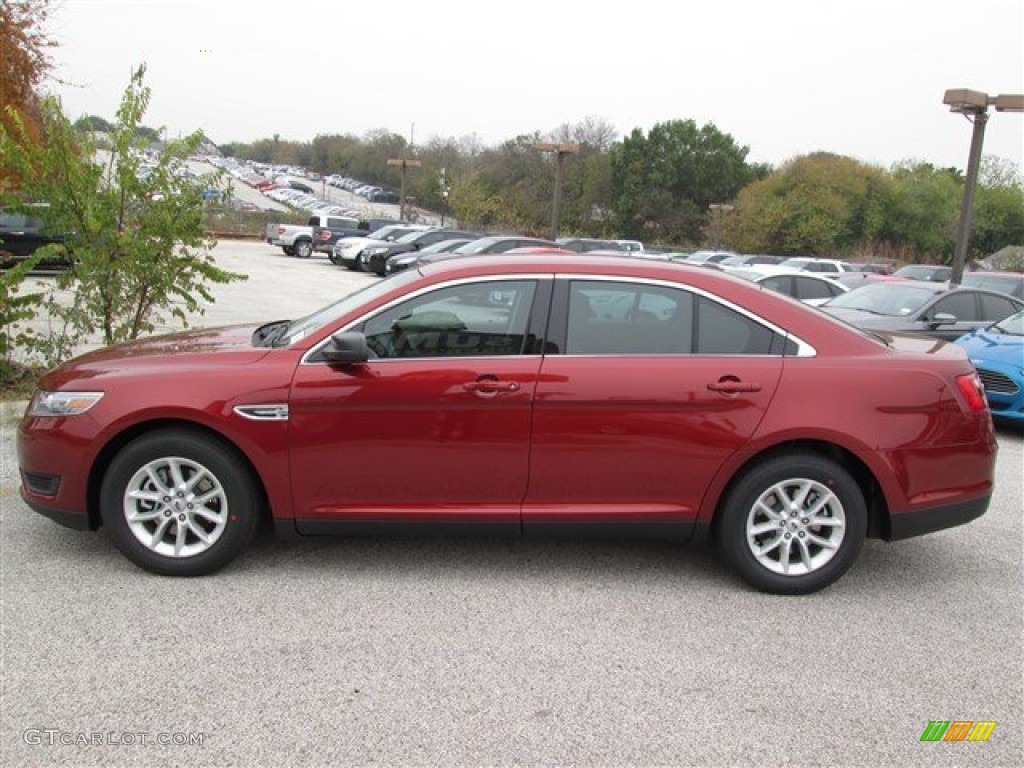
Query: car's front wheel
point(793, 524)
point(179, 503)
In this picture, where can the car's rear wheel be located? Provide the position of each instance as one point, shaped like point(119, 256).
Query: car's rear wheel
point(303, 248)
point(179, 503)
point(793, 524)
point(288, 250)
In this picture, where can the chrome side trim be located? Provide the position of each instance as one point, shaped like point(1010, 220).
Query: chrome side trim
point(269, 412)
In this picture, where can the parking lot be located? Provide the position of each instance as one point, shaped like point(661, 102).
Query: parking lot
point(479, 652)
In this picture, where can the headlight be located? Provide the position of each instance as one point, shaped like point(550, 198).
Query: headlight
point(62, 403)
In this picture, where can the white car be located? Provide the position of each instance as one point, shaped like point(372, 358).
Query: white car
point(807, 264)
point(806, 286)
point(347, 250)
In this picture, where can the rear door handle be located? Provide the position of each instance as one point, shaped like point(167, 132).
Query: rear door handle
point(733, 387)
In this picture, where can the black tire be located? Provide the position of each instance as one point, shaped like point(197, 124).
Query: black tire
point(359, 265)
point(807, 482)
point(208, 488)
point(303, 248)
point(288, 250)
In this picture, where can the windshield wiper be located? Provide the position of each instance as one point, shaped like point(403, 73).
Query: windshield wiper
point(266, 335)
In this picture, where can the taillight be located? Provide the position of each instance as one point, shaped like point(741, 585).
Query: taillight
point(973, 392)
point(280, 230)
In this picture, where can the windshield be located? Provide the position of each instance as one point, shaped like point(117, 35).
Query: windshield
point(795, 263)
point(1012, 326)
point(301, 328)
point(884, 299)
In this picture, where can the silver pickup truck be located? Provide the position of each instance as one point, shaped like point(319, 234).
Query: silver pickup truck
point(293, 239)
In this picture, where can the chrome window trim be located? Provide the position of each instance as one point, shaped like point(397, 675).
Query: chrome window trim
point(419, 292)
point(803, 348)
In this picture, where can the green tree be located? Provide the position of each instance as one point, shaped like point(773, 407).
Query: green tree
point(922, 213)
point(136, 244)
point(998, 208)
point(93, 123)
point(664, 181)
point(820, 204)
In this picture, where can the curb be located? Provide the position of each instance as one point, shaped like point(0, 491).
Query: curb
point(12, 410)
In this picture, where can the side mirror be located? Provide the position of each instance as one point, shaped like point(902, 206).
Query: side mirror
point(942, 318)
point(346, 348)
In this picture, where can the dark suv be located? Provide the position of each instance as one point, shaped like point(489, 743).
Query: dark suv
point(22, 233)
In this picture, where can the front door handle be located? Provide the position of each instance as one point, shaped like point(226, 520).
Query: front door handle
point(490, 386)
point(734, 386)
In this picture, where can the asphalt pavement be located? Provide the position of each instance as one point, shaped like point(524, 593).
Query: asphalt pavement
point(491, 652)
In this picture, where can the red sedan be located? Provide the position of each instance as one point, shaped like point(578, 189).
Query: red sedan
point(526, 395)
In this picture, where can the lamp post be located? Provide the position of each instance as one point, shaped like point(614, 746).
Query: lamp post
point(974, 106)
point(560, 151)
point(720, 209)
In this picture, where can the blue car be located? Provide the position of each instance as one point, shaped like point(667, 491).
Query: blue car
point(998, 353)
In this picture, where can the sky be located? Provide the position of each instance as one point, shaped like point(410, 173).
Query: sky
point(862, 78)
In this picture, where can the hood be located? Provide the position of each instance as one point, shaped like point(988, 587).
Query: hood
point(985, 346)
point(230, 345)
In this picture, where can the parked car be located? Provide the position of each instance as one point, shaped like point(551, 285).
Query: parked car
point(709, 257)
point(929, 273)
point(808, 264)
point(375, 257)
point(520, 395)
point(348, 252)
point(808, 287)
point(586, 244)
point(493, 244)
point(750, 260)
point(930, 309)
point(1011, 283)
point(23, 232)
point(997, 353)
point(405, 260)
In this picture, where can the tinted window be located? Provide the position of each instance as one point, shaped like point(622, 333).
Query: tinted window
point(723, 331)
point(636, 319)
point(996, 308)
point(474, 319)
point(960, 305)
point(808, 288)
point(779, 284)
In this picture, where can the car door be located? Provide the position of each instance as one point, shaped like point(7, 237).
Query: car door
point(435, 426)
point(652, 388)
point(963, 305)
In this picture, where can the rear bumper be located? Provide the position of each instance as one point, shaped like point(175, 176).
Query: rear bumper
point(922, 521)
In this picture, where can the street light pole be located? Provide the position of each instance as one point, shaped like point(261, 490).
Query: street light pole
point(974, 106)
point(720, 209)
point(560, 151)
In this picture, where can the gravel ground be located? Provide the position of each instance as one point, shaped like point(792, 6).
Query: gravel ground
point(474, 652)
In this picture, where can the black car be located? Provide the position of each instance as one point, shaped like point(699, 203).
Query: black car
point(929, 309)
point(376, 257)
point(405, 260)
point(493, 244)
point(22, 233)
